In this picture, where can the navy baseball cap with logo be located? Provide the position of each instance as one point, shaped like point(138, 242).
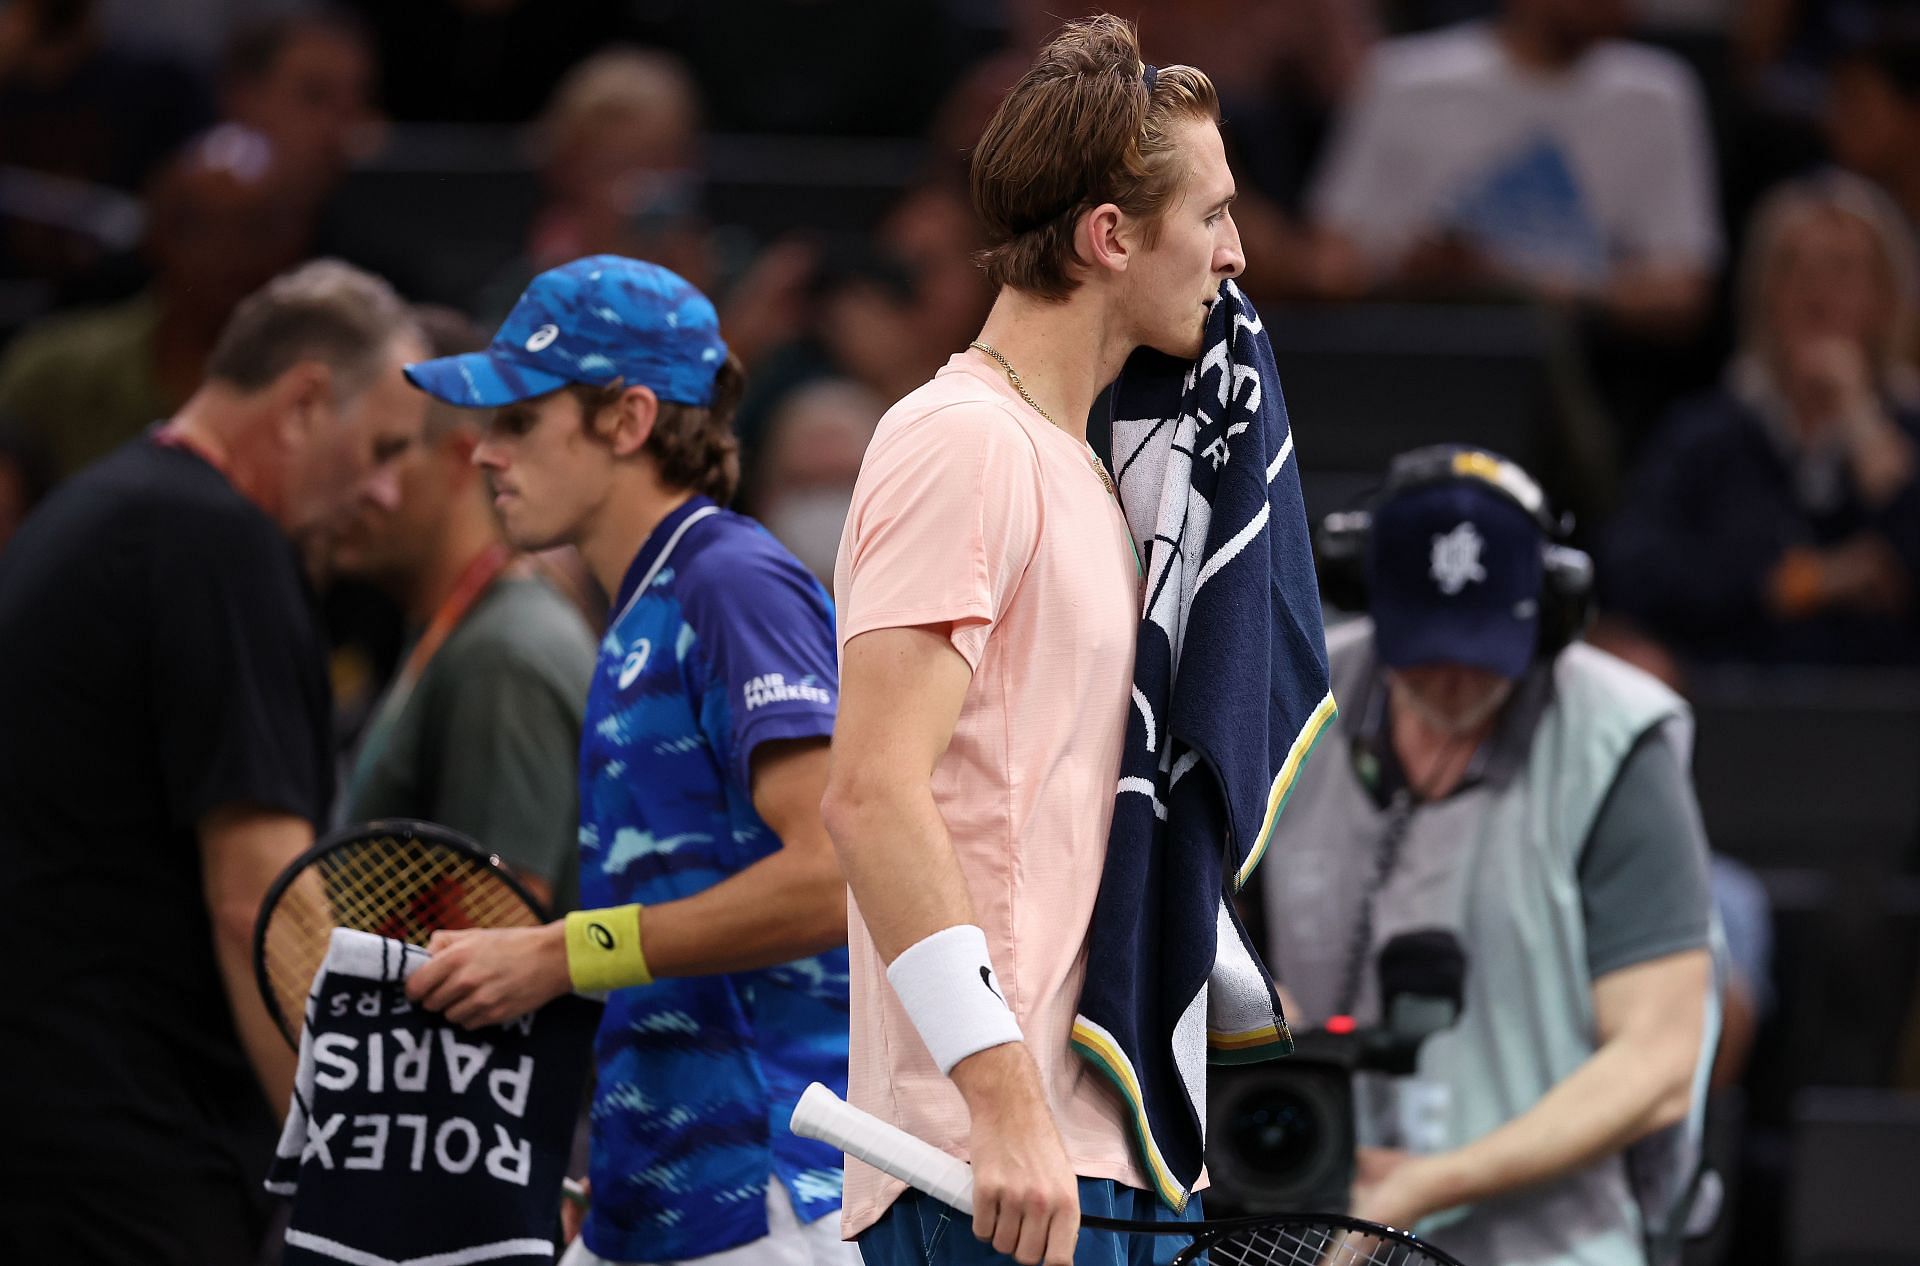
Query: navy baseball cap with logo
point(1454, 572)
point(593, 321)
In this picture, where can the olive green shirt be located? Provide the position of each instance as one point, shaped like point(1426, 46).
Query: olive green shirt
point(488, 740)
point(84, 383)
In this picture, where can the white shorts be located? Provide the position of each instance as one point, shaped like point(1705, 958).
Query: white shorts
point(788, 1242)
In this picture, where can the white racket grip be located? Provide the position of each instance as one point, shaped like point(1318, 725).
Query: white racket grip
point(823, 1115)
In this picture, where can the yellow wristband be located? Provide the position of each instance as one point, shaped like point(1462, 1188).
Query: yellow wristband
point(603, 949)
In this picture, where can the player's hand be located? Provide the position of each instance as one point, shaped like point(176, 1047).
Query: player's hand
point(482, 977)
point(1026, 1200)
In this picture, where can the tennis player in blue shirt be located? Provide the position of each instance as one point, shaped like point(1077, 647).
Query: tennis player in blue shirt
point(715, 913)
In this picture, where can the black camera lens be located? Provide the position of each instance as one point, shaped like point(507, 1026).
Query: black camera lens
point(1278, 1134)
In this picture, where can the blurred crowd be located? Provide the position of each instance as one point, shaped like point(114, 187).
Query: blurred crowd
point(1713, 204)
point(1716, 201)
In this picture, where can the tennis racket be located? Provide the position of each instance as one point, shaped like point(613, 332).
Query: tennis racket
point(395, 878)
point(1285, 1239)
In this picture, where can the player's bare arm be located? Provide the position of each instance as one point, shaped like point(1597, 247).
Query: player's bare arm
point(242, 849)
point(1649, 1021)
point(788, 905)
point(901, 692)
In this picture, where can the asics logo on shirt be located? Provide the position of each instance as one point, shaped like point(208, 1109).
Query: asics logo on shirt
point(636, 660)
point(774, 688)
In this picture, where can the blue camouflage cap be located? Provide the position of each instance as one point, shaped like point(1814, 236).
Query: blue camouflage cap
point(592, 321)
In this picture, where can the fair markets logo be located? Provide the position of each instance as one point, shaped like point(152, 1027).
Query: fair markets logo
point(775, 688)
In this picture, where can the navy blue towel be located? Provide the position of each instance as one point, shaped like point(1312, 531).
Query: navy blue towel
point(1230, 696)
point(411, 1139)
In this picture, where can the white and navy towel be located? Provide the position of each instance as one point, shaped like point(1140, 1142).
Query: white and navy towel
point(410, 1140)
point(1230, 696)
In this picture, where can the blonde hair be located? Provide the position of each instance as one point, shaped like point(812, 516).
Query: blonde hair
point(619, 85)
point(1791, 206)
point(1083, 127)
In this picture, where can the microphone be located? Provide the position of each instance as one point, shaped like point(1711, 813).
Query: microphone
point(1422, 978)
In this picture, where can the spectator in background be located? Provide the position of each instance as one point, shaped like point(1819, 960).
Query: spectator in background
point(480, 729)
point(165, 754)
point(1534, 153)
point(934, 234)
point(222, 218)
point(882, 312)
point(97, 118)
point(1777, 518)
point(1873, 118)
point(304, 80)
point(621, 171)
point(808, 465)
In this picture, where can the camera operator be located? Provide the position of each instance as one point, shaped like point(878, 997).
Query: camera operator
point(1529, 795)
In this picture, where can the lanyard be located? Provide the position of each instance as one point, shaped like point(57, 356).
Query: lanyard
point(1386, 859)
point(475, 579)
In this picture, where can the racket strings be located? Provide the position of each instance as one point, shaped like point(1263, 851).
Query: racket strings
point(1304, 1244)
point(400, 886)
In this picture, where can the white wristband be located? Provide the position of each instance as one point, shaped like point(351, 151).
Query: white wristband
point(947, 985)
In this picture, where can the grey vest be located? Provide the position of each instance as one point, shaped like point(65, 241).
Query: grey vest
point(1497, 864)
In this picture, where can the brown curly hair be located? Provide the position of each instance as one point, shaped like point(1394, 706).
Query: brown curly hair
point(693, 445)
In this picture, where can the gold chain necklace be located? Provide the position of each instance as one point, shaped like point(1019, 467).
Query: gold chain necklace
point(1013, 377)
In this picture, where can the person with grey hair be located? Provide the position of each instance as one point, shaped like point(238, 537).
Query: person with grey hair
point(1777, 519)
point(165, 753)
point(480, 728)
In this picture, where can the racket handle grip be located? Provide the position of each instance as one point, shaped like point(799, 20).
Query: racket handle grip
point(823, 1115)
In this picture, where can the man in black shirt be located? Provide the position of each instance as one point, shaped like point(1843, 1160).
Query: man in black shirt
point(164, 752)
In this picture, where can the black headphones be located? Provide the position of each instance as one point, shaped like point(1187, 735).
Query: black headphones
point(1566, 585)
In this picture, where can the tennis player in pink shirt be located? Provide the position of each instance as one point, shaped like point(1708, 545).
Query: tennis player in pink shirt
point(989, 598)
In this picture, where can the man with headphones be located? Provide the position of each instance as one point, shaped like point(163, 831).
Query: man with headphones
point(1511, 786)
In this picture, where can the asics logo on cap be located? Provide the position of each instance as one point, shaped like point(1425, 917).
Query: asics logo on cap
point(541, 339)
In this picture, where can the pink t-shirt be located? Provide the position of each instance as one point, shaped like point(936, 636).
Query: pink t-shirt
point(973, 510)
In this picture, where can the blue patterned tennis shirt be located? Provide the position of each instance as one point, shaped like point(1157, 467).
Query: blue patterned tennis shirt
point(722, 642)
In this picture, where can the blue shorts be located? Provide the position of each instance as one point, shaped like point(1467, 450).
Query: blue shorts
point(921, 1231)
